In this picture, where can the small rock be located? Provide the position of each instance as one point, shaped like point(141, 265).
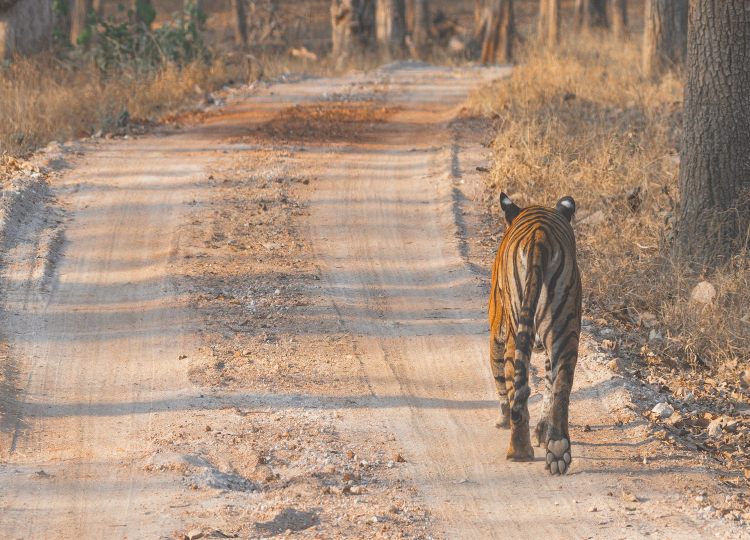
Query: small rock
point(208, 428)
point(593, 509)
point(609, 344)
point(349, 454)
point(194, 534)
point(398, 458)
point(703, 293)
point(663, 410)
point(714, 428)
point(629, 497)
point(614, 366)
point(356, 490)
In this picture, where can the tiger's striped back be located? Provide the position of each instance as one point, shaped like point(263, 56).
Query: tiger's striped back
point(536, 294)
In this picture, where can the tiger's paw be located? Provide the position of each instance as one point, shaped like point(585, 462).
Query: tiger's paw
point(520, 448)
point(558, 456)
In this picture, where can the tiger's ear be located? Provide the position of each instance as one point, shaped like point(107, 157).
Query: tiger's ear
point(510, 209)
point(566, 206)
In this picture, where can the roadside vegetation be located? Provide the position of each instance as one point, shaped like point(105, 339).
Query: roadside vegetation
point(118, 74)
point(580, 119)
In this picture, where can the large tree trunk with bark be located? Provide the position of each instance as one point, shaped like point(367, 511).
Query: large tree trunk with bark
point(496, 31)
point(79, 14)
point(239, 14)
point(664, 35)
point(548, 24)
point(352, 25)
point(590, 14)
point(618, 16)
point(390, 27)
point(715, 154)
point(420, 28)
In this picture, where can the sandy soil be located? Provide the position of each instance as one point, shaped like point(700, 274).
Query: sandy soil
point(273, 323)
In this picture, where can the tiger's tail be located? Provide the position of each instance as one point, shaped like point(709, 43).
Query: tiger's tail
point(525, 331)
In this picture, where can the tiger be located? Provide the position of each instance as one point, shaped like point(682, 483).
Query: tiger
point(535, 301)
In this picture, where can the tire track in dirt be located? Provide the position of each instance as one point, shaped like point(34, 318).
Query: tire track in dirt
point(99, 342)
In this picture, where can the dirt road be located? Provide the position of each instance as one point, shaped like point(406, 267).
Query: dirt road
point(102, 334)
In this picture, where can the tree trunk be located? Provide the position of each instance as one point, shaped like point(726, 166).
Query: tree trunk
point(497, 31)
point(79, 13)
point(590, 14)
point(714, 165)
point(390, 27)
point(548, 24)
point(239, 13)
point(352, 25)
point(420, 32)
point(144, 11)
point(664, 35)
point(618, 15)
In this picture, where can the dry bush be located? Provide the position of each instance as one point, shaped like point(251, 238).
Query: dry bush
point(583, 121)
point(43, 98)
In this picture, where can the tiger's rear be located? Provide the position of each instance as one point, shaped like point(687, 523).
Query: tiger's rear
point(536, 295)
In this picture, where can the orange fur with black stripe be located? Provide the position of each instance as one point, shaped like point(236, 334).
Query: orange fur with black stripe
point(536, 295)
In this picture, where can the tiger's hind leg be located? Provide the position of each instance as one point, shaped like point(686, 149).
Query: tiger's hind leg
point(517, 381)
point(559, 454)
point(542, 427)
point(497, 364)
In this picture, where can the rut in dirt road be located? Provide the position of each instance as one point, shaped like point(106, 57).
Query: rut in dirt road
point(98, 347)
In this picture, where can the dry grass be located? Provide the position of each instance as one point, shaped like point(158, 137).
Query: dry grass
point(584, 122)
point(43, 99)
